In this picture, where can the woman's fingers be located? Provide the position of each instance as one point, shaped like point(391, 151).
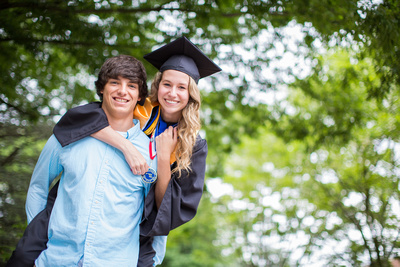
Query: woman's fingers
point(166, 141)
point(136, 161)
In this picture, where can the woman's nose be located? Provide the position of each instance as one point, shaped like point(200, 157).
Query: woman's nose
point(172, 92)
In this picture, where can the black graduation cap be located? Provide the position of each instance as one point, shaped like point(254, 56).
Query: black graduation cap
point(184, 56)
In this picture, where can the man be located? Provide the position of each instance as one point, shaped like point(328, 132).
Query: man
point(95, 218)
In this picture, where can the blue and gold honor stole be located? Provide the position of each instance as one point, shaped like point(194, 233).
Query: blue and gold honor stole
point(151, 126)
point(151, 122)
point(146, 116)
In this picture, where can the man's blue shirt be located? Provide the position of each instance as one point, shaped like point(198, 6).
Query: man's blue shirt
point(96, 216)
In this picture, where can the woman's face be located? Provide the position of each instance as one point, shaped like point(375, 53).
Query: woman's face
point(173, 94)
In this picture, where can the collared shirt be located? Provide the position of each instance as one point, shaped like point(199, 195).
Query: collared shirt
point(96, 216)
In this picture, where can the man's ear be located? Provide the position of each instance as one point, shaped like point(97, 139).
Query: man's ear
point(141, 101)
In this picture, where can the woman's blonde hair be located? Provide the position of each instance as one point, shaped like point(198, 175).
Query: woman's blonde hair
point(188, 125)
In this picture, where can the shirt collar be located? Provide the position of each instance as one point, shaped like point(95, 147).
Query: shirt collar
point(132, 132)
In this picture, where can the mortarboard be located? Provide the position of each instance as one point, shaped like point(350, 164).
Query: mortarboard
point(182, 55)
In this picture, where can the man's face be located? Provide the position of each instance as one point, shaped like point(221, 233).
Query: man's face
point(120, 97)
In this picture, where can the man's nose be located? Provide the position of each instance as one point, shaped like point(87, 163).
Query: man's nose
point(123, 88)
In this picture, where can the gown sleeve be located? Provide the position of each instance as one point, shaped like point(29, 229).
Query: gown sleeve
point(80, 122)
point(152, 250)
point(181, 198)
point(34, 240)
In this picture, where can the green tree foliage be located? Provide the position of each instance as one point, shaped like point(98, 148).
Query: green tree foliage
point(18, 156)
point(332, 197)
point(190, 243)
point(51, 49)
point(46, 43)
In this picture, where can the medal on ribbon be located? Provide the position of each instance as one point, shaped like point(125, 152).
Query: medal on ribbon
point(151, 175)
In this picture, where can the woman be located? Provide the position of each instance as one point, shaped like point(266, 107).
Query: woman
point(170, 116)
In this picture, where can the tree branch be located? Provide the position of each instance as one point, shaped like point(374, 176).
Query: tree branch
point(10, 157)
point(11, 105)
point(122, 10)
point(32, 116)
point(63, 42)
point(25, 40)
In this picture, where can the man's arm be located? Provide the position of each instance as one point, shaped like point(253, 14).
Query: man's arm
point(46, 170)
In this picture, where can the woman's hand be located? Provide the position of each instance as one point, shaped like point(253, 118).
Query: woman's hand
point(136, 161)
point(166, 143)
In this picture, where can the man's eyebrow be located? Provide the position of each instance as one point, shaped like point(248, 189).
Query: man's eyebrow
point(119, 79)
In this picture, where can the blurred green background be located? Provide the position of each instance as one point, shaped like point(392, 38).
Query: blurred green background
point(302, 124)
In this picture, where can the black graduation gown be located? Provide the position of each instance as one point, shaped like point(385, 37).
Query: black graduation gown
point(34, 240)
point(178, 206)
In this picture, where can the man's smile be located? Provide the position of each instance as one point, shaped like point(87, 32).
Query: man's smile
point(122, 100)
